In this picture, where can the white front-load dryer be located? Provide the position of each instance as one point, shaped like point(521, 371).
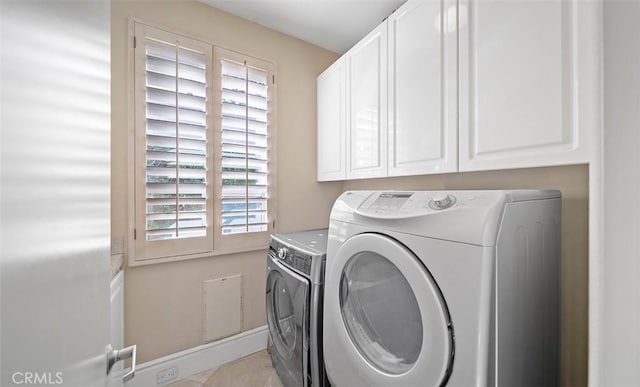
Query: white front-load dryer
point(438, 288)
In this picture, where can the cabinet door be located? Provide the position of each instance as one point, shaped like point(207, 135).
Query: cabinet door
point(423, 114)
point(332, 106)
point(529, 82)
point(367, 91)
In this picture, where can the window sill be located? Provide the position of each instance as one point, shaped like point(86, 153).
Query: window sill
point(132, 262)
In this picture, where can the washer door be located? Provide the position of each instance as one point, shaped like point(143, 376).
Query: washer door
point(386, 322)
point(288, 320)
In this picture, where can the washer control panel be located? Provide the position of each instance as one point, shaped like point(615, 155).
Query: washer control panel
point(291, 257)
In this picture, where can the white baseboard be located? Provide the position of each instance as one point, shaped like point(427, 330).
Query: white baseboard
point(202, 358)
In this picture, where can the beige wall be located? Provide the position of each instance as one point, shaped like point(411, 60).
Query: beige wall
point(573, 181)
point(164, 302)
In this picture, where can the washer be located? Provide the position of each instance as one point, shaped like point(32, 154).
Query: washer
point(433, 288)
point(295, 276)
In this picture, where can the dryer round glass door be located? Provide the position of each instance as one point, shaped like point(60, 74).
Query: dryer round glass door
point(386, 322)
point(380, 312)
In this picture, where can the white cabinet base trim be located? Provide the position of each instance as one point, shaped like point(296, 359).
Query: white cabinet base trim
point(194, 360)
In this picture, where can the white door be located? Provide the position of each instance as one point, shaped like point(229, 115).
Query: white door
point(332, 108)
point(385, 320)
point(55, 211)
point(529, 82)
point(423, 88)
point(367, 91)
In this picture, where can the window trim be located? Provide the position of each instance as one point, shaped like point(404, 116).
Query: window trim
point(222, 244)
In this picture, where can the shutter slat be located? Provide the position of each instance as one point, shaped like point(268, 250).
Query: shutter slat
point(242, 78)
point(181, 201)
point(160, 139)
point(172, 106)
point(229, 89)
point(230, 104)
point(168, 114)
point(236, 96)
point(168, 67)
point(250, 179)
point(163, 170)
point(231, 125)
point(159, 49)
point(254, 192)
point(242, 218)
point(184, 215)
point(239, 124)
point(228, 230)
point(155, 90)
point(168, 83)
point(239, 138)
point(160, 145)
point(257, 151)
point(242, 211)
point(192, 58)
point(230, 115)
point(168, 129)
point(229, 156)
point(241, 111)
point(167, 190)
point(168, 159)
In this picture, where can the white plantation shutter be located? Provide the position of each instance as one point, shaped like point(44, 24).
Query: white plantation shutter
point(173, 175)
point(245, 175)
point(244, 148)
point(203, 173)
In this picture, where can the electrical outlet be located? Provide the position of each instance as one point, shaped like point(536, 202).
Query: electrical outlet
point(165, 376)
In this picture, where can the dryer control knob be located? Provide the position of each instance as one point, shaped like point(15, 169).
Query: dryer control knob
point(442, 201)
point(282, 252)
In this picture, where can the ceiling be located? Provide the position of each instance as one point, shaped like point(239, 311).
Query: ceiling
point(332, 24)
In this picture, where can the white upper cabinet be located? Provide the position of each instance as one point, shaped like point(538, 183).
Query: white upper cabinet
point(367, 99)
point(529, 82)
point(465, 85)
point(332, 135)
point(423, 121)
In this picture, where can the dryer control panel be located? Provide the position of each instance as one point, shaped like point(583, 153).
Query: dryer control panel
point(406, 204)
point(460, 215)
point(389, 201)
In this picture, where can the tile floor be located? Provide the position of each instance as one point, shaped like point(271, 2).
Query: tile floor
point(252, 371)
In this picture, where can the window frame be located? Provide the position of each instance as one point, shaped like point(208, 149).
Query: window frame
point(220, 244)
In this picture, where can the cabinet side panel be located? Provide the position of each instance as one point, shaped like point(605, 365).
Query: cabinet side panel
point(331, 147)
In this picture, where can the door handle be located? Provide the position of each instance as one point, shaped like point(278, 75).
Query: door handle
point(114, 356)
